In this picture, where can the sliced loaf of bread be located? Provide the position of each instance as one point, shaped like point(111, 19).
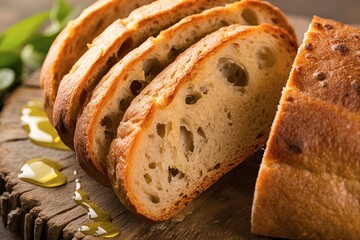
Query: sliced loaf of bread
point(309, 183)
point(204, 114)
point(96, 128)
point(110, 46)
point(72, 42)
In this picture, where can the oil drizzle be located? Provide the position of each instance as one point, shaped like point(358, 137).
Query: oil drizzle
point(39, 129)
point(102, 226)
point(42, 172)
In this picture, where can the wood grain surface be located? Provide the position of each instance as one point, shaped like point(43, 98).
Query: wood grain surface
point(222, 212)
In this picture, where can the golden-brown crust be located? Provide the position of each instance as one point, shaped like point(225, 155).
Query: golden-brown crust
point(308, 184)
point(278, 19)
point(159, 94)
point(72, 42)
point(76, 87)
point(69, 95)
point(112, 82)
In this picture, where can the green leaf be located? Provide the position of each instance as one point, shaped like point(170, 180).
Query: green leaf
point(31, 57)
point(7, 79)
point(42, 42)
point(1, 37)
point(60, 12)
point(11, 59)
point(60, 15)
point(17, 35)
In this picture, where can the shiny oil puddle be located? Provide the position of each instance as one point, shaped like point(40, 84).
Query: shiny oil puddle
point(40, 131)
point(42, 172)
point(101, 225)
point(46, 173)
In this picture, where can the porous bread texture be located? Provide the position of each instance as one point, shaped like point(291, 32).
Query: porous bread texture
point(110, 46)
point(199, 118)
point(72, 42)
point(96, 128)
point(308, 186)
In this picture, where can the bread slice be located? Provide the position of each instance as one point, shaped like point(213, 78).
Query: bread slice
point(96, 128)
point(204, 114)
point(309, 184)
point(72, 42)
point(110, 46)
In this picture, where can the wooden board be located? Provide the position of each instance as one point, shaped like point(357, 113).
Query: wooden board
point(222, 212)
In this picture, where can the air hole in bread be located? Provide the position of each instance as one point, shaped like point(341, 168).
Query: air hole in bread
point(154, 198)
point(125, 48)
point(136, 86)
point(186, 141)
point(224, 23)
point(107, 122)
point(236, 46)
point(229, 116)
point(173, 53)
point(174, 172)
point(234, 73)
point(125, 103)
point(250, 17)
point(192, 98)
point(200, 173)
point(266, 58)
point(204, 90)
point(152, 67)
point(109, 135)
point(147, 178)
point(217, 166)
point(152, 165)
point(201, 132)
point(161, 130)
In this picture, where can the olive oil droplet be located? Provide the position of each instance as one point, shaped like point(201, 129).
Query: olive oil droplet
point(100, 229)
point(42, 172)
point(39, 129)
point(102, 226)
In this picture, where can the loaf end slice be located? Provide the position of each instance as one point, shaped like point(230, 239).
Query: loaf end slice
point(203, 115)
point(328, 64)
point(308, 186)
